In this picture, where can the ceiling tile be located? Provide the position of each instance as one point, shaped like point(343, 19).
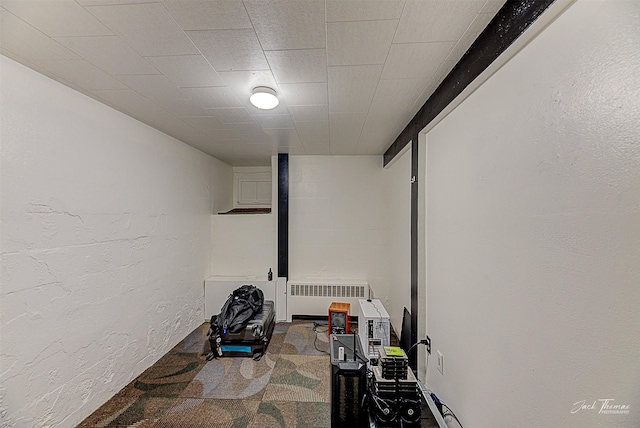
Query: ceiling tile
point(444, 70)
point(244, 80)
point(314, 137)
point(148, 28)
point(203, 123)
point(393, 98)
point(415, 60)
point(58, 18)
point(436, 20)
point(304, 93)
point(153, 87)
point(208, 14)
point(493, 6)
point(351, 88)
point(172, 126)
point(282, 138)
point(137, 106)
point(181, 107)
point(242, 83)
point(187, 70)
point(189, 135)
point(201, 141)
point(470, 35)
point(275, 121)
point(298, 66)
point(372, 143)
point(22, 39)
point(363, 42)
point(238, 157)
point(212, 97)
point(313, 113)
point(362, 10)
point(231, 115)
point(123, 100)
point(81, 73)
point(345, 129)
point(251, 130)
point(222, 134)
point(313, 127)
point(45, 72)
point(385, 124)
point(345, 85)
point(110, 54)
point(430, 87)
point(229, 50)
point(288, 24)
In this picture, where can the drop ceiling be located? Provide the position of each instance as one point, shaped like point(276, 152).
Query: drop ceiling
point(350, 74)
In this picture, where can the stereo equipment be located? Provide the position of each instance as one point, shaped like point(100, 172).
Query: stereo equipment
point(339, 318)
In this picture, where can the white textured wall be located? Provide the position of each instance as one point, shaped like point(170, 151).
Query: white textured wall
point(105, 246)
point(338, 219)
point(399, 205)
point(533, 231)
point(244, 244)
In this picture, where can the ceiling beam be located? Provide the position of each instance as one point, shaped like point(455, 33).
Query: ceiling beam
point(508, 24)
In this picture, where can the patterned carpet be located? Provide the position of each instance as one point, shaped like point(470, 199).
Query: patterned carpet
point(287, 387)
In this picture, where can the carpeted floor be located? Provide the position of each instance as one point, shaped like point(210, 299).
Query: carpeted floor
point(287, 387)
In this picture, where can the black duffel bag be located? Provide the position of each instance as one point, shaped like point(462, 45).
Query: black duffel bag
point(240, 307)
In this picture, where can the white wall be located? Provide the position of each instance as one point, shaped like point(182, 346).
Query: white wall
point(533, 231)
point(348, 219)
point(338, 219)
point(105, 245)
point(398, 294)
point(244, 244)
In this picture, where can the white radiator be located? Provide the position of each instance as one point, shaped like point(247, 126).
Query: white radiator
point(313, 297)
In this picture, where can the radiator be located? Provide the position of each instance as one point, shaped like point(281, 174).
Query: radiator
point(313, 297)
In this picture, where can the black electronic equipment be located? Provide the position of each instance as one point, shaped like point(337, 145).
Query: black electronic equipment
point(348, 381)
point(393, 393)
point(405, 332)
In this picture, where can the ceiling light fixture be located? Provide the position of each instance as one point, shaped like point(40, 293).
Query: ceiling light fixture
point(264, 98)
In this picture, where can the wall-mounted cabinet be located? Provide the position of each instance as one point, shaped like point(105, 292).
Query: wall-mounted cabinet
point(252, 187)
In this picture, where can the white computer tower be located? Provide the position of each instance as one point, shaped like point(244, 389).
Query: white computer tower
point(374, 328)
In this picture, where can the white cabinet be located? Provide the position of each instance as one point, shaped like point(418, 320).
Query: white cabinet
point(252, 187)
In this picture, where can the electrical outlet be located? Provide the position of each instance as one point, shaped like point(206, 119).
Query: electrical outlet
point(440, 362)
point(428, 345)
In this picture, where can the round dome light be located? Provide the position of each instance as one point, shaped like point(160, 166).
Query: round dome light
point(264, 98)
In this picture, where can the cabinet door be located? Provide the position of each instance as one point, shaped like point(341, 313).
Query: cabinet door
point(252, 189)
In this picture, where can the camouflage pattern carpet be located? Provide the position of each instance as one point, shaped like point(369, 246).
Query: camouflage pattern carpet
point(287, 387)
